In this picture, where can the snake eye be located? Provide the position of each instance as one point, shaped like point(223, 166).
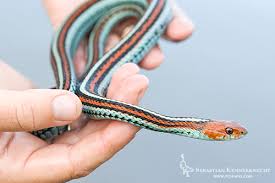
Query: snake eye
point(229, 130)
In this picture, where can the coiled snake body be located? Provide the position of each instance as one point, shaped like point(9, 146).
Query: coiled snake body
point(96, 19)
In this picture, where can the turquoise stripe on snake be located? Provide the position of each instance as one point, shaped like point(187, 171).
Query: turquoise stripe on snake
point(97, 19)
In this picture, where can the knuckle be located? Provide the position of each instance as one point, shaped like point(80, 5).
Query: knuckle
point(137, 82)
point(132, 68)
point(144, 80)
point(127, 69)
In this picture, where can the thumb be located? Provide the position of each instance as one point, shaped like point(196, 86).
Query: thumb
point(37, 109)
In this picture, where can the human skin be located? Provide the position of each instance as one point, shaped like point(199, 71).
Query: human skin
point(26, 158)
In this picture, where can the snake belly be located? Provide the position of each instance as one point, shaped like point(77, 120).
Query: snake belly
point(96, 19)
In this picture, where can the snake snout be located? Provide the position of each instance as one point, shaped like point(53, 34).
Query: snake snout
point(224, 130)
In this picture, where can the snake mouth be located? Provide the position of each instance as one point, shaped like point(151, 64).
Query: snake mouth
point(224, 130)
point(244, 132)
point(230, 137)
point(237, 136)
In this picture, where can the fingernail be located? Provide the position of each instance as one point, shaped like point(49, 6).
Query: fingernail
point(64, 108)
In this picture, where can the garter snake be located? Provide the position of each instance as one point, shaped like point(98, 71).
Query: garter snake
point(96, 19)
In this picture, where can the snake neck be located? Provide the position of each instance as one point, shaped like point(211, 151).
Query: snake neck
point(98, 107)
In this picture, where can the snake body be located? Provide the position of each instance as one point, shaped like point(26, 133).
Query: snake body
point(97, 19)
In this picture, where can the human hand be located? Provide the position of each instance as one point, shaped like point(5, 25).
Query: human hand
point(88, 145)
point(73, 154)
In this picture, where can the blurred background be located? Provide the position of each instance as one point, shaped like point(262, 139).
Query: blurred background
point(224, 71)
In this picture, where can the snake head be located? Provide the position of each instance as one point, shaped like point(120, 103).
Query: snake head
point(223, 130)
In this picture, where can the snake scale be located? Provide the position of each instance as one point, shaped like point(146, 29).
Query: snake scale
point(96, 19)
